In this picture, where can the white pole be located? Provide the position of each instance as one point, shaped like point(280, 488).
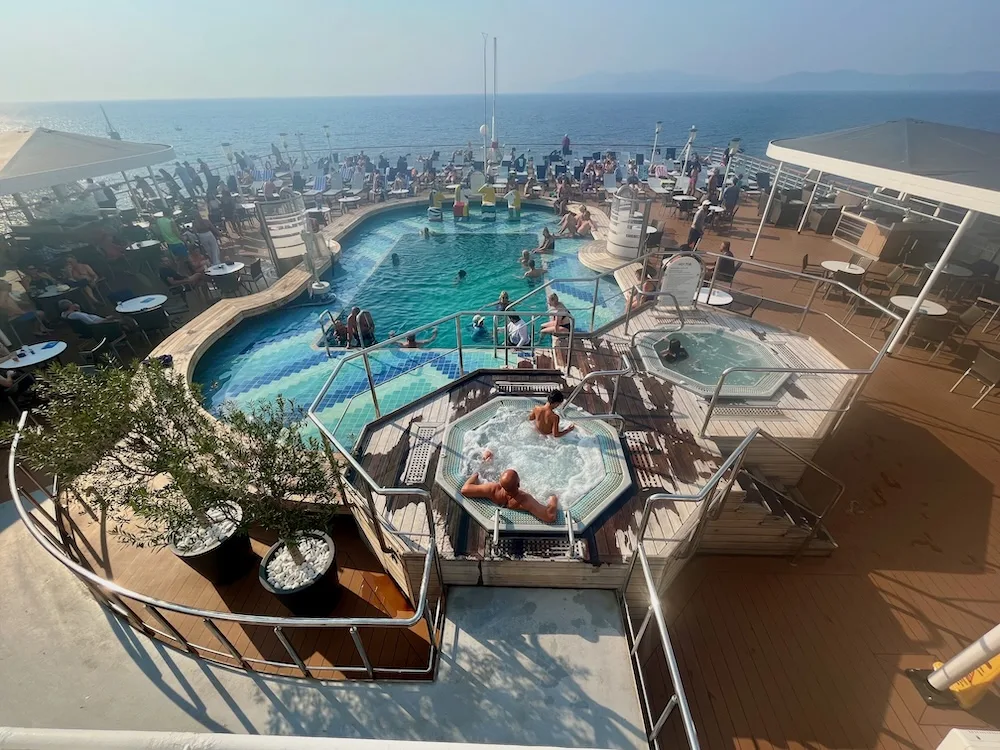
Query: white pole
point(156, 187)
point(767, 208)
point(970, 217)
point(656, 140)
point(494, 121)
point(972, 656)
point(486, 111)
point(809, 204)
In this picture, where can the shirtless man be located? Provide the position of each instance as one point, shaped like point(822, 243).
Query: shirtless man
point(545, 418)
point(507, 493)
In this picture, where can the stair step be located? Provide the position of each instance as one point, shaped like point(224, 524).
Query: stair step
point(792, 512)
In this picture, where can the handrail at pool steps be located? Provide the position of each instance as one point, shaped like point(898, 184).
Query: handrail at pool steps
point(325, 331)
point(117, 598)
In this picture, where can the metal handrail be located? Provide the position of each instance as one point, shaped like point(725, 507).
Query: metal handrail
point(113, 595)
point(628, 369)
point(348, 455)
point(677, 309)
point(322, 328)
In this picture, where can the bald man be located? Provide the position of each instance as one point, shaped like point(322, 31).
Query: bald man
point(507, 493)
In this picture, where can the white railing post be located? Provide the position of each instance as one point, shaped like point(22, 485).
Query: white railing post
point(812, 196)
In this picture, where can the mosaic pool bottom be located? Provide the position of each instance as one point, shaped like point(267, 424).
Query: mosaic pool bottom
point(277, 352)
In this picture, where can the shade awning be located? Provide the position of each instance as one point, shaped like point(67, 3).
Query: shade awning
point(39, 158)
point(958, 166)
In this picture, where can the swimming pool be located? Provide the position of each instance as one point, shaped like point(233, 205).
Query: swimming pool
point(278, 352)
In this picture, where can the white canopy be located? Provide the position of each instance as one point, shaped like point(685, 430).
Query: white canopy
point(39, 158)
point(958, 166)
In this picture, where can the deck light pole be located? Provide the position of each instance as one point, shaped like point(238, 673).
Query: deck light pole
point(767, 208)
point(692, 133)
point(656, 138)
point(326, 130)
point(809, 204)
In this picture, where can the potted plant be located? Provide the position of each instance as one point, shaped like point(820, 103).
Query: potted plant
point(178, 493)
point(289, 492)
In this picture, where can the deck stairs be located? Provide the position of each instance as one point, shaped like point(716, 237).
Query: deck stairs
point(768, 519)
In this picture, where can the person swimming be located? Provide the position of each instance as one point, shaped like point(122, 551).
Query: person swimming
point(395, 259)
point(675, 352)
point(425, 232)
point(525, 257)
point(507, 493)
point(545, 418)
point(478, 327)
point(533, 272)
point(460, 276)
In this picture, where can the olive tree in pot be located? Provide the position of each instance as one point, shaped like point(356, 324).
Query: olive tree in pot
point(290, 493)
point(176, 494)
point(79, 421)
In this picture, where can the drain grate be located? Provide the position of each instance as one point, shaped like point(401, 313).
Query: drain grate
point(423, 443)
point(762, 412)
point(647, 474)
point(521, 547)
point(789, 356)
point(526, 387)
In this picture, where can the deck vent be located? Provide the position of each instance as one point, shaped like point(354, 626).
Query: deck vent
point(754, 412)
point(788, 354)
point(423, 442)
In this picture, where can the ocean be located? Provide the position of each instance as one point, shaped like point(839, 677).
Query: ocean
point(533, 123)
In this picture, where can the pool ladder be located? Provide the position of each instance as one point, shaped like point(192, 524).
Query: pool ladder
point(325, 330)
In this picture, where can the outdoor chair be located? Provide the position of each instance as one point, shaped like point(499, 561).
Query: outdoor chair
point(253, 274)
point(226, 285)
point(744, 304)
point(968, 320)
point(111, 332)
point(155, 321)
point(986, 369)
point(850, 280)
point(931, 330)
point(177, 301)
point(886, 284)
point(808, 268)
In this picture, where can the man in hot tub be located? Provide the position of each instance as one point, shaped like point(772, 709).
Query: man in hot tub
point(507, 493)
point(545, 417)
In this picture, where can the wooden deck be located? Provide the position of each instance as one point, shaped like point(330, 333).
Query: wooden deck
point(365, 591)
point(811, 656)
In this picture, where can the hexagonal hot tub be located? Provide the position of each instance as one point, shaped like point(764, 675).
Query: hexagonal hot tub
point(712, 350)
point(585, 469)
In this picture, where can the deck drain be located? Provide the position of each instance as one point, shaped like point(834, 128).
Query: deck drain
point(521, 547)
point(422, 444)
point(788, 354)
point(526, 387)
point(647, 474)
point(761, 412)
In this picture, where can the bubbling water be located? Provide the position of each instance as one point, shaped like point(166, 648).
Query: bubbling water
point(566, 467)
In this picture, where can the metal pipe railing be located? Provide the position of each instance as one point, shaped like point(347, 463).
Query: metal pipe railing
point(323, 329)
point(110, 592)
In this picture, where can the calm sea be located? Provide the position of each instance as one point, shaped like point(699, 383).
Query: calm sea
point(197, 128)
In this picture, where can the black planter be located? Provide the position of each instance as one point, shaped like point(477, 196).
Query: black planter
point(224, 562)
point(312, 599)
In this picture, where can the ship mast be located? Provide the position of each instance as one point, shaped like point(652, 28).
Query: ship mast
point(112, 133)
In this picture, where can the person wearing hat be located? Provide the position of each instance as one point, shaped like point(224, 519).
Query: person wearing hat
point(698, 225)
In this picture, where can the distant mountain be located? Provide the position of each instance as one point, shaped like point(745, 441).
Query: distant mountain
point(670, 81)
point(853, 80)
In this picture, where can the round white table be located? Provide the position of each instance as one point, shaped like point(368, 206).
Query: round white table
point(138, 304)
point(906, 302)
point(718, 297)
point(403, 192)
point(248, 206)
point(143, 244)
point(224, 269)
point(348, 201)
point(716, 209)
point(499, 185)
point(54, 290)
point(36, 354)
point(453, 186)
point(685, 198)
point(950, 269)
point(839, 265)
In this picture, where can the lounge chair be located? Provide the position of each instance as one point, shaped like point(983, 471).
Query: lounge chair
point(986, 369)
point(931, 330)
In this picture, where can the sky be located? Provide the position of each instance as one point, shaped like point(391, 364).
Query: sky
point(103, 50)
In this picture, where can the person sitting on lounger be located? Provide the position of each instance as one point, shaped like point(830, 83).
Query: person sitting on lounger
point(507, 493)
point(545, 418)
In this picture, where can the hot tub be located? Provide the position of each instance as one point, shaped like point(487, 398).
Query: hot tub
point(711, 351)
point(586, 469)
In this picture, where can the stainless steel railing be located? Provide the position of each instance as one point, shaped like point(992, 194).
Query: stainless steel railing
point(325, 330)
point(118, 599)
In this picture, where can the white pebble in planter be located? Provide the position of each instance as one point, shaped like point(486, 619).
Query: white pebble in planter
point(308, 588)
point(217, 551)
